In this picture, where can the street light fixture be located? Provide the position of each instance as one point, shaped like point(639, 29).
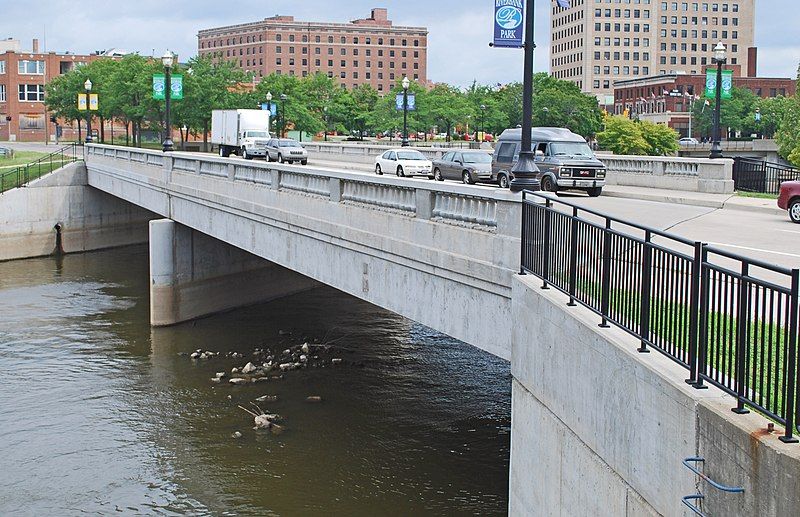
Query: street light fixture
point(167, 60)
point(88, 87)
point(719, 59)
point(406, 83)
point(283, 114)
point(525, 171)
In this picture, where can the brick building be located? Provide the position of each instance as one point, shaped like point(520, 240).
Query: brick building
point(23, 76)
point(594, 43)
point(668, 99)
point(365, 51)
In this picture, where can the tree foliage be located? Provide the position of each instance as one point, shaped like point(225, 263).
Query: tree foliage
point(622, 136)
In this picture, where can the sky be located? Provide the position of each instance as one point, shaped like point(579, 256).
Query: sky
point(458, 42)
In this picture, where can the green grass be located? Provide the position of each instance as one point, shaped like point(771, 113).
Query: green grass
point(20, 158)
point(758, 195)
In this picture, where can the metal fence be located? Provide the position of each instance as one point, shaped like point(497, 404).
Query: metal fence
point(750, 175)
point(730, 321)
point(23, 174)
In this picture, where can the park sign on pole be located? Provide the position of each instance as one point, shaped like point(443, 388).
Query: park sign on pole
point(81, 102)
point(159, 87)
point(727, 84)
point(412, 102)
point(93, 102)
point(508, 28)
point(272, 107)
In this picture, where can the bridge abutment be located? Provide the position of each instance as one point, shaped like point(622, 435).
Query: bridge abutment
point(193, 275)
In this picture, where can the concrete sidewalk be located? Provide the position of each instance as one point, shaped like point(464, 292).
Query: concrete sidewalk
point(679, 197)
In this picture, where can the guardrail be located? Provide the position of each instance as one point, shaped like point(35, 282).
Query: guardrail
point(24, 174)
point(687, 174)
point(729, 320)
point(761, 176)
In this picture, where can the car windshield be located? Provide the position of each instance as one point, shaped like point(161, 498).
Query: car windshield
point(410, 155)
point(290, 143)
point(573, 149)
point(256, 134)
point(477, 158)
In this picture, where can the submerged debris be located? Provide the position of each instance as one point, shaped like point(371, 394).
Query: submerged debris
point(264, 420)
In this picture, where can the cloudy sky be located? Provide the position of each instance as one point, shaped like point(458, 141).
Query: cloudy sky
point(458, 50)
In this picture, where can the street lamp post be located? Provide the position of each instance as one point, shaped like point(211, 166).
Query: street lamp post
point(719, 59)
point(325, 109)
point(483, 112)
point(269, 109)
point(88, 87)
point(283, 114)
point(406, 84)
point(525, 171)
point(167, 59)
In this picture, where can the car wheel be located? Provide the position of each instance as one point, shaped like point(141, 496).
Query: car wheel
point(400, 172)
point(466, 178)
point(378, 170)
point(794, 211)
point(502, 180)
point(437, 174)
point(280, 158)
point(548, 185)
point(595, 192)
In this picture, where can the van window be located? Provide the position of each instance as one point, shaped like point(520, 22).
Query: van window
point(505, 153)
point(542, 147)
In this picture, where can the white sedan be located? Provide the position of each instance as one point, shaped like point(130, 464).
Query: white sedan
point(404, 162)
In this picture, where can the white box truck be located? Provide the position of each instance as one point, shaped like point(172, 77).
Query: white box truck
point(242, 132)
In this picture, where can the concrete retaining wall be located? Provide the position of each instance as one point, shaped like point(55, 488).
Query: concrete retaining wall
point(599, 429)
point(89, 219)
point(194, 275)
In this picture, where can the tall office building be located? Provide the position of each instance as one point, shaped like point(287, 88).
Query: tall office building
point(597, 42)
point(370, 50)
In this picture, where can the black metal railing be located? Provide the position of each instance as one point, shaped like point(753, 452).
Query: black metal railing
point(750, 175)
point(731, 321)
point(23, 174)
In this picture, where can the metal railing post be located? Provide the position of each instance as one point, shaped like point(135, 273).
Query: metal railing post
point(792, 389)
point(524, 239)
point(573, 258)
point(606, 281)
point(694, 312)
point(647, 288)
point(702, 338)
point(546, 250)
point(742, 335)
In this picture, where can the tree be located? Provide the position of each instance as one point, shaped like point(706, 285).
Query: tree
point(448, 107)
point(788, 134)
point(737, 113)
point(622, 136)
point(362, 101)
point(661, 139)
point(61, 96)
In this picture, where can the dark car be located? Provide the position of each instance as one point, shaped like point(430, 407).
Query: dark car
point(467, 166)
point(789, 199)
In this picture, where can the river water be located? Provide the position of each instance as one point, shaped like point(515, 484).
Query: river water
point(101, 414)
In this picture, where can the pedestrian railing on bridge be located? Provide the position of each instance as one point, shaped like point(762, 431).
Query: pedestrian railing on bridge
point(751, 175)
point(729, 320)
point(24, 174)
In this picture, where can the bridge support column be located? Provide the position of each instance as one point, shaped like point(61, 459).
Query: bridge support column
point(193, 275)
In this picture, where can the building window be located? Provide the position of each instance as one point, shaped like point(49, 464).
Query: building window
point(2, 92)
point(31, 92)
point(31, 121)
point(2, 67)
point(31, 67)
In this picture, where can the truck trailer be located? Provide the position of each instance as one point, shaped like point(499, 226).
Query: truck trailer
point(242, 132)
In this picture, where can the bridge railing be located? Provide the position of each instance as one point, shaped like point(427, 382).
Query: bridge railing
point(24, 174)
point(729, 320)
point(751, 175)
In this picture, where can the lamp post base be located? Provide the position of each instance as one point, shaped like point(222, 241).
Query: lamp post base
point(168, 145)
point(404, 143)
point(716, 151)
point(526, 174)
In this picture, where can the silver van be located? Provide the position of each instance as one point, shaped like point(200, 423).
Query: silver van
point(565, 160)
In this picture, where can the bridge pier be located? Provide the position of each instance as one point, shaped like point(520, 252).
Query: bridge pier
point(193, 275)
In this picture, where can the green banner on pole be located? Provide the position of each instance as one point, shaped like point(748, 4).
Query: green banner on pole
point(176, 82)
point(727, 84)
point(159, 85)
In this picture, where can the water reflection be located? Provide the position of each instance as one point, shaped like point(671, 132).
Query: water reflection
point(101, 413)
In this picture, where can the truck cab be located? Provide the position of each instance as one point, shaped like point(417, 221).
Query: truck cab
point(253, 143)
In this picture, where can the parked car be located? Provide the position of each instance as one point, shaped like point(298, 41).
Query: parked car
point(404, 162)
point(286, 150)
point(789, 199)
point(688, 141)
point(468, 166)
point(565, 160)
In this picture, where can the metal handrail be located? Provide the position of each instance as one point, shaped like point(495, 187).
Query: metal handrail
point(20, 175)
point(726, 326)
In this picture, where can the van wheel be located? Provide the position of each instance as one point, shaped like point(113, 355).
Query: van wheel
point(502, 180)
point(548, 185)
point(437, 174)
point(595, 191)
point(303, 162)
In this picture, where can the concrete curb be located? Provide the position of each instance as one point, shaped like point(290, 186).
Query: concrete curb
point(727, 204)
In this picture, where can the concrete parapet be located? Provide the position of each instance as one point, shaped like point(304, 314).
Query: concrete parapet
point(664, 172)
point(194, 275)
point(599, 429)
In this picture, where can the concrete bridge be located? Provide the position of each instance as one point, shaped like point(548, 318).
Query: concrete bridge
point(597, 429)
